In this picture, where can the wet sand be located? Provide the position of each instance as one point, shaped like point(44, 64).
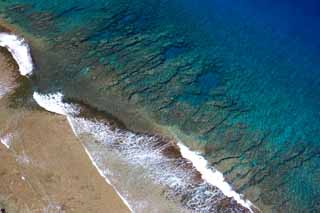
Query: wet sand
point(43, 166)
point(52, 151)
point(7, 77)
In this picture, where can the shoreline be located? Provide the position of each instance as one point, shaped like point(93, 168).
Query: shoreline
point(51, 167)
point(148, 76)
point(191, 163)
point(41, 159)
point(218, 187)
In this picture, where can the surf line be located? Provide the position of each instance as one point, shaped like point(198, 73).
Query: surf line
point(20, 51)
point(213, 177)
point(53, 103)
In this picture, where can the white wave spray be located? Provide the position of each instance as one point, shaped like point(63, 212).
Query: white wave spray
point(54, 103)
point(136, 149)
point(212, 176)
point(20, 52)
point(141, 150)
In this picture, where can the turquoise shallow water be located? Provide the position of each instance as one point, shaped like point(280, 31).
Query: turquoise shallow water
point(241, 78)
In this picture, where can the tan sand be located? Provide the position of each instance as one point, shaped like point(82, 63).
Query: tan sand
point(7, 78)
point(46, 169)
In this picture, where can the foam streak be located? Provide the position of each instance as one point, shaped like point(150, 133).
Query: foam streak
point(54, 103)
point(213, 177)
point(20, 52)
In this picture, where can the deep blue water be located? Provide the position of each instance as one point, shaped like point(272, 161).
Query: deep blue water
point(245, 75)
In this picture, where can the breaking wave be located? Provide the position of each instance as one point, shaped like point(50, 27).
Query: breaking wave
point(181, 175)
point(20, 52)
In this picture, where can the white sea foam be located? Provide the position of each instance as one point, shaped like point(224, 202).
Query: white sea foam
point(214, 177)
point(6, 140)
point(54, 103)
point(20, 52)
point(107, 136)
point(136, 149)
point(139, 150)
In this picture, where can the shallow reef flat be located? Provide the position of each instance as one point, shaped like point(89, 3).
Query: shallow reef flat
point(248, 105)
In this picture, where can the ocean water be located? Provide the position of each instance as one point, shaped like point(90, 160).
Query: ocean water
point(238, 80)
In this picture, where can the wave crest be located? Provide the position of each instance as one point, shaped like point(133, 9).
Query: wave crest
point(20, 52)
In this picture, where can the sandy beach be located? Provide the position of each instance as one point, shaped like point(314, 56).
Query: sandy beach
point(44, 167)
